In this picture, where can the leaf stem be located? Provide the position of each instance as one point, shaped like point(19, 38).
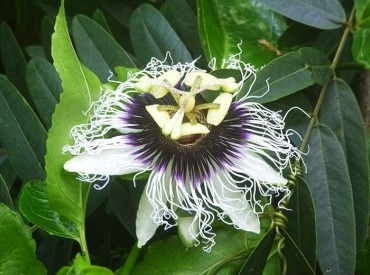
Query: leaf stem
point(334, 64)
point(130, 261)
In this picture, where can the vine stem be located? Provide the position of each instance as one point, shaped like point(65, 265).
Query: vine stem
point(130, 261)
point(333, 66)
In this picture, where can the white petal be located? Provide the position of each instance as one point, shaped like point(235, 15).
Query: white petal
point(145, 226)
point(186, 230)
point(107, 162)
point(233, 203)
point(258, 169)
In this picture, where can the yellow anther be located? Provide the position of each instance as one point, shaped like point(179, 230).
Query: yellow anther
point(160, 117)
point(173, 127)
point(189, 101)
point(189, 129)
point(216, 116)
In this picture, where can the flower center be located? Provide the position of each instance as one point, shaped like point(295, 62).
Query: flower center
point(185, 121)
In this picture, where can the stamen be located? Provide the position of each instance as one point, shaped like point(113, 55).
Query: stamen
point(159, 116)
point(189, 129)
point(173, 127)
point(216, 116)
point(187, 102)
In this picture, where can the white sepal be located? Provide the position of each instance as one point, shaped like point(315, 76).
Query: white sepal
point(107, 162)
point(187, 229)
point(258, 169)
point(145, 226)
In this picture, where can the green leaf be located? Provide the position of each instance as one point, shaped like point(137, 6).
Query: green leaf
point(99, 18)
point(172, 257)
point(362, 9)
point(21, 133)
point(361, 42)
point(152, 36)
point(97, 50)
point(297, 263)
point(315, 13)
point(184, 20)
point(330, 186)
point(281, 77)
point(47, 29)
point(17, 253)
point(35, 206)
point(67, 195)
point(301, 226)
point(256, 261)
point(4, 194)
point(45, 87)
point(342, 114)
point(223, 25)
point(82, 267)
point(13, 60)
point(319, 65)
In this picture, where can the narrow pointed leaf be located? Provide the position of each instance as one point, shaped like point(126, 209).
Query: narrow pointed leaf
point(331, 191)
point(98, 50)
point(281, 77)
point(296, 260)
point(152, 36)
point(13, 60)
point(256, 261)
point(67, 195)
point(21, 133)
point(315, 13)
point(226, 27)
point(45, 87)
point(301, 226)
point(342, 114)
point(35, 206)
point(17, 253)
point(184, 20)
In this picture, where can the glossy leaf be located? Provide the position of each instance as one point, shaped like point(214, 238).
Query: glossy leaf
point(13, 60)
point(21, 133)
point(361, 42)
point(152, 36)
point(4, 194)
point(35, 206)
point(223, 25)
point(17, 253)
point(97, 50)
point(44, 86)
point(99, 18)
point(315, 13)
point(281, 77)
point(331, 191)
point(342, 114)
point(67, 195)
point(256, 261)
point(301, 225)
point(81, 266)
point(172, 257)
